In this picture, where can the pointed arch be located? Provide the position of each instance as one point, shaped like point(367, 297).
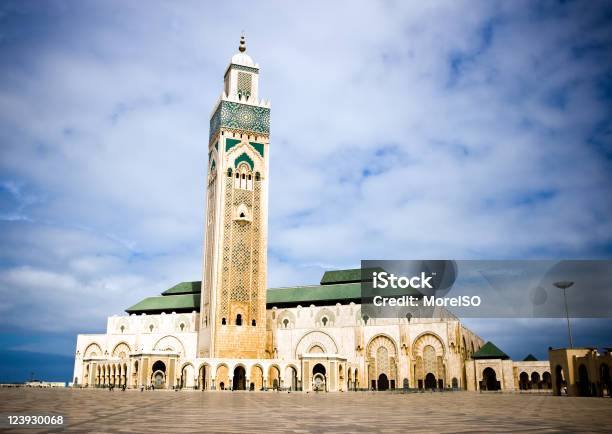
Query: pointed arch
point(122, 350)
point(170, 343)
point(244, 157)
point(92, 350)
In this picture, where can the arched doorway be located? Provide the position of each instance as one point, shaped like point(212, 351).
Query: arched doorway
point(187, 376)
point(239, 380)
point(256, 378)
point(430, 381)
point(381, 359)
point(535, 381)
point(222, 378)
point(291, 378)
point(559, 381)
point(383, 382)
point(489, 379)
point(455, 383)
point(429, 351)
point(319, 380)
point(524, 381)
point(203, 375)
point(158, 378)
point(583, 381)
point(274, 376)
point(546, 381)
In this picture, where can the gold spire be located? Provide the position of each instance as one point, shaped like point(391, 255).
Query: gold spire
point(242, 47)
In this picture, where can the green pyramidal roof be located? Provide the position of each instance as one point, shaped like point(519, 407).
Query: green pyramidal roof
point(490, 351)
point(530, 358)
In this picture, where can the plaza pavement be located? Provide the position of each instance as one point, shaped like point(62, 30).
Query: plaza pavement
point(246, 412)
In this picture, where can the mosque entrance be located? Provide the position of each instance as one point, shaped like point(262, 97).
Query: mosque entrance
point(318, 378)
point(489, 379)
point(239, 380)
point(383, 382)
point(158, 378)
point(430, 381)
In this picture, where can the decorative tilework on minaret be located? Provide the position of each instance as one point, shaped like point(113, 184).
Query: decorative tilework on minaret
point(233, 303)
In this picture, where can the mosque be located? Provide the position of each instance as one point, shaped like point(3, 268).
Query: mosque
point(230, 332)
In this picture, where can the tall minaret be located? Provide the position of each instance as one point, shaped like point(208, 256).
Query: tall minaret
point(233, 303)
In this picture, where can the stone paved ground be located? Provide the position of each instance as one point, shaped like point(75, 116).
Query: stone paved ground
point(245, 412)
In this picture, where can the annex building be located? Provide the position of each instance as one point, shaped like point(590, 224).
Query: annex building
point(229, 331)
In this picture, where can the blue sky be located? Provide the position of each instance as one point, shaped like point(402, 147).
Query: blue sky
point(400, 130)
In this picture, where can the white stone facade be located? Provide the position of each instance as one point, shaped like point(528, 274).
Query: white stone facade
point(333, 336)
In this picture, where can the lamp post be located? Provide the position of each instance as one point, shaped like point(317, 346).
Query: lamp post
point(564, 284)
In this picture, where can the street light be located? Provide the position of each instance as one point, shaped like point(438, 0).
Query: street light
point(564, 284)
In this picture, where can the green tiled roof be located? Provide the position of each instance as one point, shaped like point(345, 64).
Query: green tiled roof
point(341, 286)
point(184, 288)
point(313, 294)
point(164, 303)
point(489, 351)
point(530, 358)
point(344, 276)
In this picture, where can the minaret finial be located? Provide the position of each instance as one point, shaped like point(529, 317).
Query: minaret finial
point(242, 47)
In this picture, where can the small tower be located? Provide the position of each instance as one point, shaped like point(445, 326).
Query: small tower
point(233, 300)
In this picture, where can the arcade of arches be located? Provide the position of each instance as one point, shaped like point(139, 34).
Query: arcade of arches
point(423, 365)
point(581, 372)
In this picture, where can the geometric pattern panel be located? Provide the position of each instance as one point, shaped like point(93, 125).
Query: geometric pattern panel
point(427, 339)
point(240, 117)
point(382, 360)
point(244, 84)
point(430, 361)
point(245, 68)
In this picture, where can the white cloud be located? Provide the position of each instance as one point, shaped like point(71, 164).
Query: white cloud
point(105, 124)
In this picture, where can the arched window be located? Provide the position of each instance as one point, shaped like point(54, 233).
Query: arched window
point(324, 320)
point(182, 326)
point(257, 176)
point(239, 320)
point(253, 323)
point(229, 172)
point(151, 327)
point(122, 328)
point(365, 319)
point(286, 322)
point(408, 316)
point(223, 321)
point(244, 177)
